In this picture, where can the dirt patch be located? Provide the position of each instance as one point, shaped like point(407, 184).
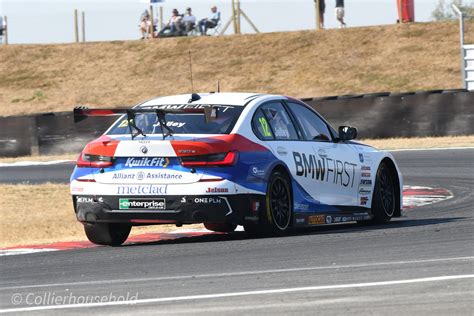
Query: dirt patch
point(51, 78)
point(39, 214)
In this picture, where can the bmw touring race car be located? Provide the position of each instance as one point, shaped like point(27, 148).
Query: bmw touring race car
point(266, 162)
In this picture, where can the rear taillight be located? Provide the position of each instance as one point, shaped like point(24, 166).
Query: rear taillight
point(211, 160)
point(94, 161)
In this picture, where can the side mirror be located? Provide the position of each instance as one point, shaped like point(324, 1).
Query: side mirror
point(347, 133)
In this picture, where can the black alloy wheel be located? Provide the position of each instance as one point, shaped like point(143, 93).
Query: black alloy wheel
point(384, 198)
point(279, 203)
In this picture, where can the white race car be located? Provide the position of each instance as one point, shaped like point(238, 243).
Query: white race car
point(267, 162)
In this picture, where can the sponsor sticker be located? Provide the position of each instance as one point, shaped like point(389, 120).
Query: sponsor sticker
point(364, 200)
point(343, 219)
point(325, 169)
point(89, 199)
point(329, 219)
point(77, 189)
point(217, 190)
point(142, 204)
point(300, 220)
point(147, 176)
point(301, 207)
point(251, 218)
point(257, 172)
point(208, 200)
point(361, 158)
point(365, 174)
point(365, 168)
point(365, 190)
point(142, 189)
point(366, 181)
point(316, 219)
point(133, 162)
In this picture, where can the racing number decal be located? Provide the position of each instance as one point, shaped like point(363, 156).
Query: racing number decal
point(265, 127)
point(124, 123)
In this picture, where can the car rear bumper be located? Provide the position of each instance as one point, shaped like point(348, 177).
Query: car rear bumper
point(146, 210)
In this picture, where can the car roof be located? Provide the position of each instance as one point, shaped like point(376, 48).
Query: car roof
point(225, 98)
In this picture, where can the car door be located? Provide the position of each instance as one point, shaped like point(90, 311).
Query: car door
point(332, 167)
point(273, 124)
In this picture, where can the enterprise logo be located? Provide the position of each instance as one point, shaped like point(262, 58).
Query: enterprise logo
point(142, 204)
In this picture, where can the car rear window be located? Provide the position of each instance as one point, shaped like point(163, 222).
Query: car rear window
point(182, 123)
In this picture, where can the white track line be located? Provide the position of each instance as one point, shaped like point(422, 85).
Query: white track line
point(231, 274)
point(247, 293)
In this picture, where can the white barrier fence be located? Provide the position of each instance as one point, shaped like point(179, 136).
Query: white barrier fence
point(469, 66)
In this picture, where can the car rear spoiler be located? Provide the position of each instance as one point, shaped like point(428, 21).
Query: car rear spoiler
point(82, 113)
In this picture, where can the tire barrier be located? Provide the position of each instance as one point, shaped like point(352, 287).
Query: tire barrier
point(376, 115)
point(411, 114)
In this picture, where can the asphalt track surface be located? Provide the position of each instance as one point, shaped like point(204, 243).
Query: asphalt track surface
point(422, 263)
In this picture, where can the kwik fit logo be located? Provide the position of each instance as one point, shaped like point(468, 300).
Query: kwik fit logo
point(147, 162)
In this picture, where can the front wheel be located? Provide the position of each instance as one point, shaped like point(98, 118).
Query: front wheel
point(384, 198)
point(108, 234)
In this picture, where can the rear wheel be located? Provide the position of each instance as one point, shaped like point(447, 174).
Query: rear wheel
point(220, 227)
point(278, 210)
point(384, 199)
point(109, 234)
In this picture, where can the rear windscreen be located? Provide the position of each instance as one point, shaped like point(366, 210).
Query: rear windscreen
point(182, 123)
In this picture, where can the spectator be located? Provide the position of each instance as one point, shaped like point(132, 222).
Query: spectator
point(173, 26)
point(322, 10)
point(340, 12)
point(211, 22)
point(189, 21)
point(145, 26)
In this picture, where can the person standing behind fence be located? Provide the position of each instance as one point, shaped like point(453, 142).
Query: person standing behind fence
point(211, 22)
point(340, 12)
point(322, 10)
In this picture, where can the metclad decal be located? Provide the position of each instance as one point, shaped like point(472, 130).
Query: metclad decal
point(142, 204)
point(142, 189)
point(325, 169)
point(147, 162)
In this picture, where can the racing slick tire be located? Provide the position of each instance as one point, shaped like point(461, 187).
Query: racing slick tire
point(108, 234)
point(220, 227)
point(384, 199)
point(278, 211)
